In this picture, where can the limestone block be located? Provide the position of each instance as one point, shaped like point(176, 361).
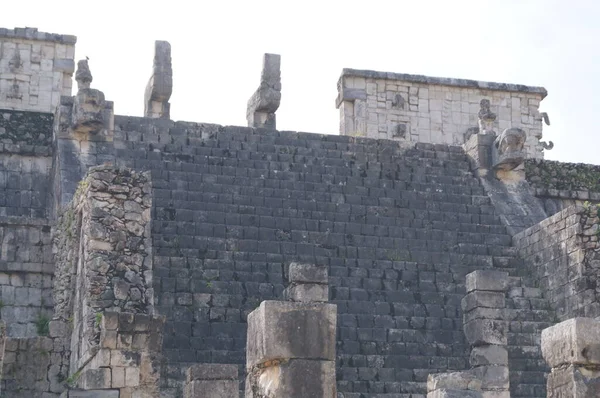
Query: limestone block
point(485, 299)
point(489, 355)
point(453, 381)
point(486, 331)
point(296, 378)
point(446, 393)
point(211, 372)
point(92, 394)
point(574, 341)
point(211, 389)
point(492, 377)
point(573, 381)
point(306, 293)
point(308, 273)
point(287, 330)
point(266, 99)
point(92, 379)
point(490, 280)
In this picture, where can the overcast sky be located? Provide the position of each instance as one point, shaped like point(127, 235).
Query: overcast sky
point(217, 49)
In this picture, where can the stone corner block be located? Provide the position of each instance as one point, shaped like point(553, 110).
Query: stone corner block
point(286, 330)
point(490, 280)
point(307, 293)
point(574, 341)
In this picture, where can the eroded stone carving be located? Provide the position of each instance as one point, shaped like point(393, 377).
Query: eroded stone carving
point(486, 117)
point(266, 99)
point(83, 75)
point(398, 102)
point(509, 149)
point(160, 85)
point(89, 103)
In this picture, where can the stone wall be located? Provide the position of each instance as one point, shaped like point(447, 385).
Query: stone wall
point(560, 185)
point(562, 255)
point(413, 108)
point(35, 68)
point(104, 261)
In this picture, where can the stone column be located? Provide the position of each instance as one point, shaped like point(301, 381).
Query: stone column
point(572, 349)
point(211, 381)
point(291, 345)
point(266, 99)
point(486, 330)
point(160, 85)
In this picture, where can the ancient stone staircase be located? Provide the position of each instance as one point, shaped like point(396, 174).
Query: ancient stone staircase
point(398, 228)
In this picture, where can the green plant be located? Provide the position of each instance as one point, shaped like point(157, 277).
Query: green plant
point(42, 325)
point(98, 318)
point(1, 304)
point(72, 380)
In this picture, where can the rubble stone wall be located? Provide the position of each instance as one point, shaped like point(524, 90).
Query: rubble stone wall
point(424, 109)
point(104, 261)
point(562, 255)
point(35, 68)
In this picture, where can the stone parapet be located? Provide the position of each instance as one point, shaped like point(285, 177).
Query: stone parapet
point(35, 69)
point(411, 108)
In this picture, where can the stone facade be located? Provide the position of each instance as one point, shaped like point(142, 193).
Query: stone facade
point(35, 69)
point(411, 108)
point(148, 257)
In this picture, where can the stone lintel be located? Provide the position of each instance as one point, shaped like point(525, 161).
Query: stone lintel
point(444, 81)
point(33, 34)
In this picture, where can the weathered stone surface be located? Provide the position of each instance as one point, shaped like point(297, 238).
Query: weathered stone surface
point(211, 389)
point(294, 378)
point(575, 341)
point(211, 372)
point(83, 76)
point(160, 85)
point(573, 381)
point(308, 273)
point(482, 299)
point(453, 381)
point(265, 101)
point(489, 280)
point(92, 394)
point(489, 355)
point(447, 393)
point(288, 330)
point(486, 331)
point(509, 152)
point(492, 377)
point(306, 293)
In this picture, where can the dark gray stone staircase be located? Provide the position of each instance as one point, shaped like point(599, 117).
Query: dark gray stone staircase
point(398, 228)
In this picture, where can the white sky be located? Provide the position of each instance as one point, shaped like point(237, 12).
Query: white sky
point(217, 49)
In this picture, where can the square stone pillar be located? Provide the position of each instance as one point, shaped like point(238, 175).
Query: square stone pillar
point(291, 345)
point(486, 330)
point(211, 381)
point(572, 349)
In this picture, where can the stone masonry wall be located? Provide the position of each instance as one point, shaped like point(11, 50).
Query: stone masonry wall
point(26, 263)
point(35, 68)
point(424, 109)
point(562, 254)
point(104, 261)
point(560, 185)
